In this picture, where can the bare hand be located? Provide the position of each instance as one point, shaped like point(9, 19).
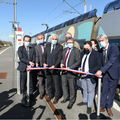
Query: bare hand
point(31, 64)
point(80, 69)
point(52, 67)
point(98, 73)
point(87, 73)
point(45, 65)
point(62, 65)
point(37, 64)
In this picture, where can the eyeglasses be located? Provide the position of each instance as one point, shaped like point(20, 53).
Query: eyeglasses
point(68, 38)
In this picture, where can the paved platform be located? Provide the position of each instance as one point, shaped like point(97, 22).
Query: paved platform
point(10, 107)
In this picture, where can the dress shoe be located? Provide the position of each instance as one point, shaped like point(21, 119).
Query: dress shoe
point(69, 106)
point(24, 101)
point(65, 100)
point(109, 111)
point(55, 100)
point(49, 98)
point(82, 103)
point(32, 100)
point(101, 110)
point(41, 97)
point(88, 110)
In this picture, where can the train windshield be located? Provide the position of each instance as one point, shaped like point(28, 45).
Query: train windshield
point(112, 6)
point(115, 42)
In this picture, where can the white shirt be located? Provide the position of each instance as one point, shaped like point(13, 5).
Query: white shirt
point(86, 63)
point(52, 47)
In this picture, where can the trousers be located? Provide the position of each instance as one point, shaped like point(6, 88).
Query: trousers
point(88, 91)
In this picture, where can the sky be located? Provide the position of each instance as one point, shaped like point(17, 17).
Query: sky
point(32, 13)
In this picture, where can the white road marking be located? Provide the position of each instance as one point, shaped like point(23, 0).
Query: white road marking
point(4, 50)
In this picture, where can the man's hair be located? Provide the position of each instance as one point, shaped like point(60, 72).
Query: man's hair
point(41, 35)
point(71, 39)
point(54, 35)
point(68, 33)
point(88, 42)
point(27, 36)
point(102, 36)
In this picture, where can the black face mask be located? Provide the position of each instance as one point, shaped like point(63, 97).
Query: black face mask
point(86, 51)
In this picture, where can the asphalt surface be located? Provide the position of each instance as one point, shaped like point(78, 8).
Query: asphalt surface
point(10, 101)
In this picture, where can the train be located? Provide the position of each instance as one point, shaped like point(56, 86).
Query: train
point(88, 26)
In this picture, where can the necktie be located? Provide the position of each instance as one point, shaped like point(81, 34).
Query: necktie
point(104, 54)
point(43, 46)
point(28, 52)
point(66, 57)
point(50, 62)
point(84, 64)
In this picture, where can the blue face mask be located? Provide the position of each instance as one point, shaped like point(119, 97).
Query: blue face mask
point(41, 41)
point(54, 41)
point(27, 44)
point(102, 44)
point(70, 45)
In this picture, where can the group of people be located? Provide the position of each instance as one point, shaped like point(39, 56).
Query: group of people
point(104, 61)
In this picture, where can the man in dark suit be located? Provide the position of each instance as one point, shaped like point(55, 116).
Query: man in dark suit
point(51, 58)
point(110, 71)
point(70, 59)
point(34, 72)
point(27, 58)
point(39, 49)
point(90, 62)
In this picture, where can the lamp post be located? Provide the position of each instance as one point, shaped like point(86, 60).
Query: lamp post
point(46, 26)
point(85, 6)
point(15, 27)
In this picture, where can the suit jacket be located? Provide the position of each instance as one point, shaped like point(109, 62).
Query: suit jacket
point(34, 45)
point(39, 54)
point(24, 61)
point(73, 61)
point(57, 55)
point(112, 61)
point(94, 64)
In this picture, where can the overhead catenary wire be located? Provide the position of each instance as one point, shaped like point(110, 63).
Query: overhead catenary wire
point(72, 7)
point(61, 15)
point(64, 12)
point(46, 16)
